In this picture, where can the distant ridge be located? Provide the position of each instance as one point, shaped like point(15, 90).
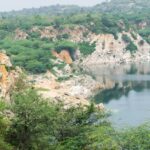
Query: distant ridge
point(113, 6)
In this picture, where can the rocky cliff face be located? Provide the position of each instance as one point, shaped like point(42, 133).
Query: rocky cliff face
point(63, 55)
point(109, 50)
point(7, 77)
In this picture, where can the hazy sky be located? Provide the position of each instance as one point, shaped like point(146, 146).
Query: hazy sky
point(7, 5)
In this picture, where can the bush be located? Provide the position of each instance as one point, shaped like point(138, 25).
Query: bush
point(3, 127)
point(34, 56)
point(35, 66)
point(141, 42)
point(126, 38)
point(134, 36)
point(34, 34)
point(131, 47)
point(87, 48)
point(136, 138)
point(47, 46)
point(62, 37)
point(108, 22)
point(3, 34)
point(106, 138)
point(145, 34)
point(65, 36)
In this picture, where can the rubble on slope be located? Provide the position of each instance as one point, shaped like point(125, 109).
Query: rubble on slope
point(72, 92)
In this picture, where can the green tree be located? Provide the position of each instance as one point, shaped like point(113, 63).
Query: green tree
point(87, 48)
point(3, 127)
point(32, 126)
point(126, 38)
point(35, 66)
point(131, 47)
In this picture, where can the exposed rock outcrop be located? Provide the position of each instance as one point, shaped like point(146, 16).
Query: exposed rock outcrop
point(63, 55)
point(75, 34)
point(7, 77)
point(109, 50)
point(20, 35)
point(75, 91)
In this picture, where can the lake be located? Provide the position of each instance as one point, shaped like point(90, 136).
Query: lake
point(128, 93)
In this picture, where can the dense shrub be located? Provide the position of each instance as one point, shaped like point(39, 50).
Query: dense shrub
point(126, 38)
point(106, 138)
point(34, 56)
point(3, 34)
point(131, 47)
point(134, 35)
point(34, 34)
point(36, 67)
point(141, 42)
point(145, 33)
point(4, 122)
point(87, 48)
point(65, 36)
point(136, 139)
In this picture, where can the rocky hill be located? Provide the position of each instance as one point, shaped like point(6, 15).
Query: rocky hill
point(129, 46)
point(110, 50)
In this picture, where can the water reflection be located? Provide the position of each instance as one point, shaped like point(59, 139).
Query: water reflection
point(126, 91)
point(117, 92)
point(123, 78)
point(133, 69)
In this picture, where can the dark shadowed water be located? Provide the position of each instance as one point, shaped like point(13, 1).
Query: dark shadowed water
point(127, 92)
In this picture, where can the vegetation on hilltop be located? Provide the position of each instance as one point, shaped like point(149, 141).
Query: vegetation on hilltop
point(33, 53)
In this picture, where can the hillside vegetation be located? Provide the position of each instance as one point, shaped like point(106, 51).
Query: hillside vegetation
point(32, 50)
